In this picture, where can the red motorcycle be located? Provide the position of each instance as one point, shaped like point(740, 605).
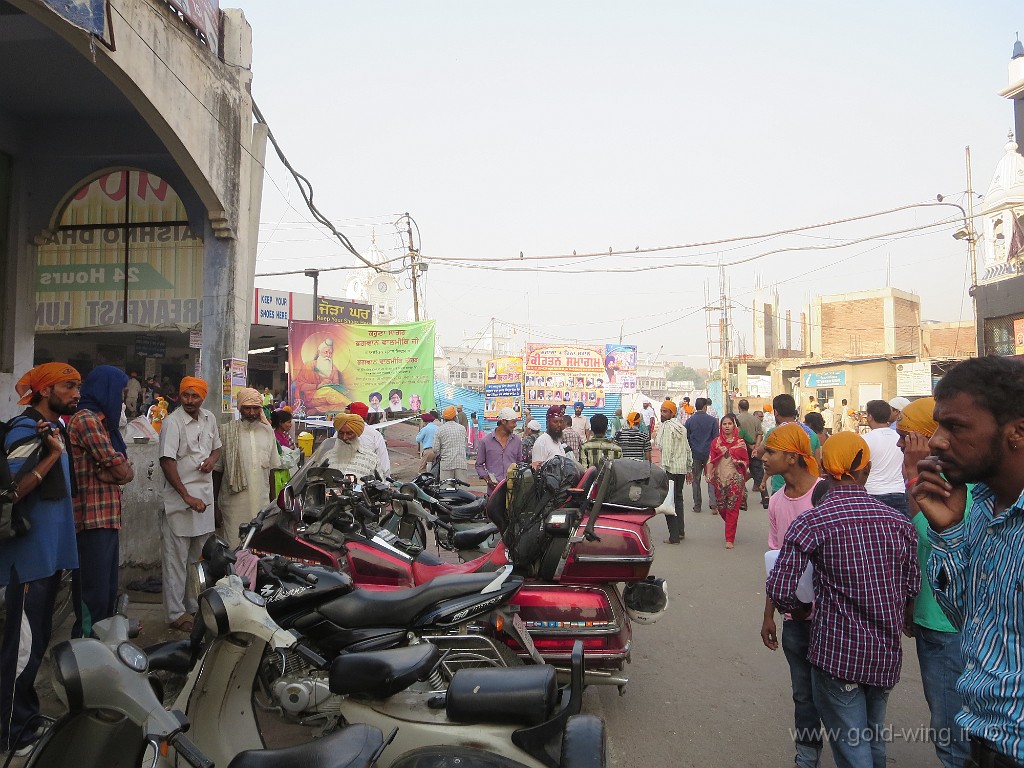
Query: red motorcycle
point(574, 539)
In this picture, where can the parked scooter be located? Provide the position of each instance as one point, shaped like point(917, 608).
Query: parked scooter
point(512, 717)
point(116, 719)
point(576, 555)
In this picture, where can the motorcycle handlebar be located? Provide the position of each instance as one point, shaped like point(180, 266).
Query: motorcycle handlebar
point(189, 752)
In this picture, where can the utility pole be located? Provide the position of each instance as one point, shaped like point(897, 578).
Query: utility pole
point(493, 351)
point(972, 239)
point(724, 331)
point(414, 269)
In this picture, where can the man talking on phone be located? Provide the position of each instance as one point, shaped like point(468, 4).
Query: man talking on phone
point(499, 450)
point(977, 568)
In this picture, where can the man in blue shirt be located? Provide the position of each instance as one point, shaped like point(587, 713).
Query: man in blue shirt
point(425, 440)
point(701, 429)
point(31, 564)
point(976, 567)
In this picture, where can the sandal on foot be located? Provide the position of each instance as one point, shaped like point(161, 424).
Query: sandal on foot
point(729, 545)
point(183, 623)
point(669, 541)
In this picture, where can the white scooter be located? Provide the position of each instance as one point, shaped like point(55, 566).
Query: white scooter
point(500, 718)
point(116, 719)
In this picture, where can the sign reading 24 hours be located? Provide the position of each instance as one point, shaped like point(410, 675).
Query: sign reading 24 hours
point(99, 277)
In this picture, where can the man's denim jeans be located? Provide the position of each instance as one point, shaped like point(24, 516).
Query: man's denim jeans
point(897, 501)
point(853, 715)
point(796, 636)
point(941, 664)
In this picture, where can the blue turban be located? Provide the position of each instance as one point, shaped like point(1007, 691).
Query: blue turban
point(577, 405)
point(103, 392)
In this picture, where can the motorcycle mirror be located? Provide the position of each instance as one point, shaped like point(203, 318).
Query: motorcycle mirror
point(286, 498)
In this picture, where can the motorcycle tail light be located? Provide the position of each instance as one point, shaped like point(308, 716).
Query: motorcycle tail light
point(564, 608)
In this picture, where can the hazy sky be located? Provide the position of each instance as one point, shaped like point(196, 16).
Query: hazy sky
point(548, 127)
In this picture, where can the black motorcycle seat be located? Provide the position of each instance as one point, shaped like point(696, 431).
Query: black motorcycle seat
point(473, 536)
point(525, 695)
point(470, 510)
point(351, 747)
point(171, 656)
point(379, 674)
point(365, 608)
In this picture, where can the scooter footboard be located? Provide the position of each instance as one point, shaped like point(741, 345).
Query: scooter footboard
point(525, 695)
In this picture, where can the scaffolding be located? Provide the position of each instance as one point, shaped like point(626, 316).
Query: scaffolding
point(719, 332)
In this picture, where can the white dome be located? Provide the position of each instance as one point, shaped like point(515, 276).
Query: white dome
point(1007, 187)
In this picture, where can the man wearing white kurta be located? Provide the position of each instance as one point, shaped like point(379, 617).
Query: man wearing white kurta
point(189, 448)
point(242, 475)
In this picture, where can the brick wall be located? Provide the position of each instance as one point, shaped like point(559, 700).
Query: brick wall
point(852, 328)
point(908, 325)
point(948, 341)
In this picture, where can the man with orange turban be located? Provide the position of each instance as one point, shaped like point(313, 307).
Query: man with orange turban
point(787, 453)
point(243, 475)
point(44, 544)
point(866, 575)
point(450, 443)
point(351, 454)
point(190, 447)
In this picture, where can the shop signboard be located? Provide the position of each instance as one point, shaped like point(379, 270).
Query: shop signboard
point(330, 310)
point(204, 15)
point(1018, 337)
point(825, 379)
point(124, 228)
point(331, 365)
point(914, 379)
point(195, 338)
point(759, 386)
point(503, 386)
point(272, 308)
point(620, 368)
point(236, 376)
point(557, 374)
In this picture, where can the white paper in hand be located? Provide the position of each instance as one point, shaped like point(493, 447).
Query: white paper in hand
point(804, 587)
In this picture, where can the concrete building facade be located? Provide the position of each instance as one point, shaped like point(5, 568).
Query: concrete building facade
point(150, 111)
point(886, 321)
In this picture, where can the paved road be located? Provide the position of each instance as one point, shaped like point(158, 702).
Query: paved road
point(704, 691)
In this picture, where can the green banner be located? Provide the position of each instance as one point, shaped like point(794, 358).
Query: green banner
point(388, 367)
point(98, 277)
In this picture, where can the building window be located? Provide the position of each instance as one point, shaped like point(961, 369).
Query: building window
point(1000, 336)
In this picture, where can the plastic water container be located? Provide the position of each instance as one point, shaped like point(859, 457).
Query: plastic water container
point(305, 441)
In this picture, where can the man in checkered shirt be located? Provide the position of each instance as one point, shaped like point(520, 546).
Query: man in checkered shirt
point(866, 575)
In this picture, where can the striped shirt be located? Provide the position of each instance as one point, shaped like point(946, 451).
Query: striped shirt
point(978, 574)
point(573, 441)
point(865, 569)
point(676, 458)
point(635, 444)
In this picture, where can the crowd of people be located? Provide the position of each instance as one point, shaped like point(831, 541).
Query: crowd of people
point(913, 527)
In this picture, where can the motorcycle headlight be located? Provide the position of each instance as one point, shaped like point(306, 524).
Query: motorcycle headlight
point(214, 612)
point(197, 579)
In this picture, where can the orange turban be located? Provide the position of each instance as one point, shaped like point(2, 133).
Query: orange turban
point(353, 422)
point(791, 438)
point(633, 418)
point(767, 407)
point(918, 417)
point(670, 405)
point(247, 396)
point(843, 453)
point(449, 413)
point(43, 376)
point(200, 386)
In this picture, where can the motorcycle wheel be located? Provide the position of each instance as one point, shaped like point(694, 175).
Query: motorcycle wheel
point(61, 607)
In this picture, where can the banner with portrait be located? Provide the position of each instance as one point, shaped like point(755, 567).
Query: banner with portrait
point(503, 386)
point(389, 367)
point(564, 374)
point(620, 368)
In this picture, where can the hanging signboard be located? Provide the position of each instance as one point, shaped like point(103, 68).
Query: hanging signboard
point(565, 374)
point(825, 379)
point(236, 376)
point(150, 345)
point(389, 367)
point(337, 311)
point(503, 386)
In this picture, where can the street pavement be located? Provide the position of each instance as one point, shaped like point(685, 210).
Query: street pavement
point(703, 689)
